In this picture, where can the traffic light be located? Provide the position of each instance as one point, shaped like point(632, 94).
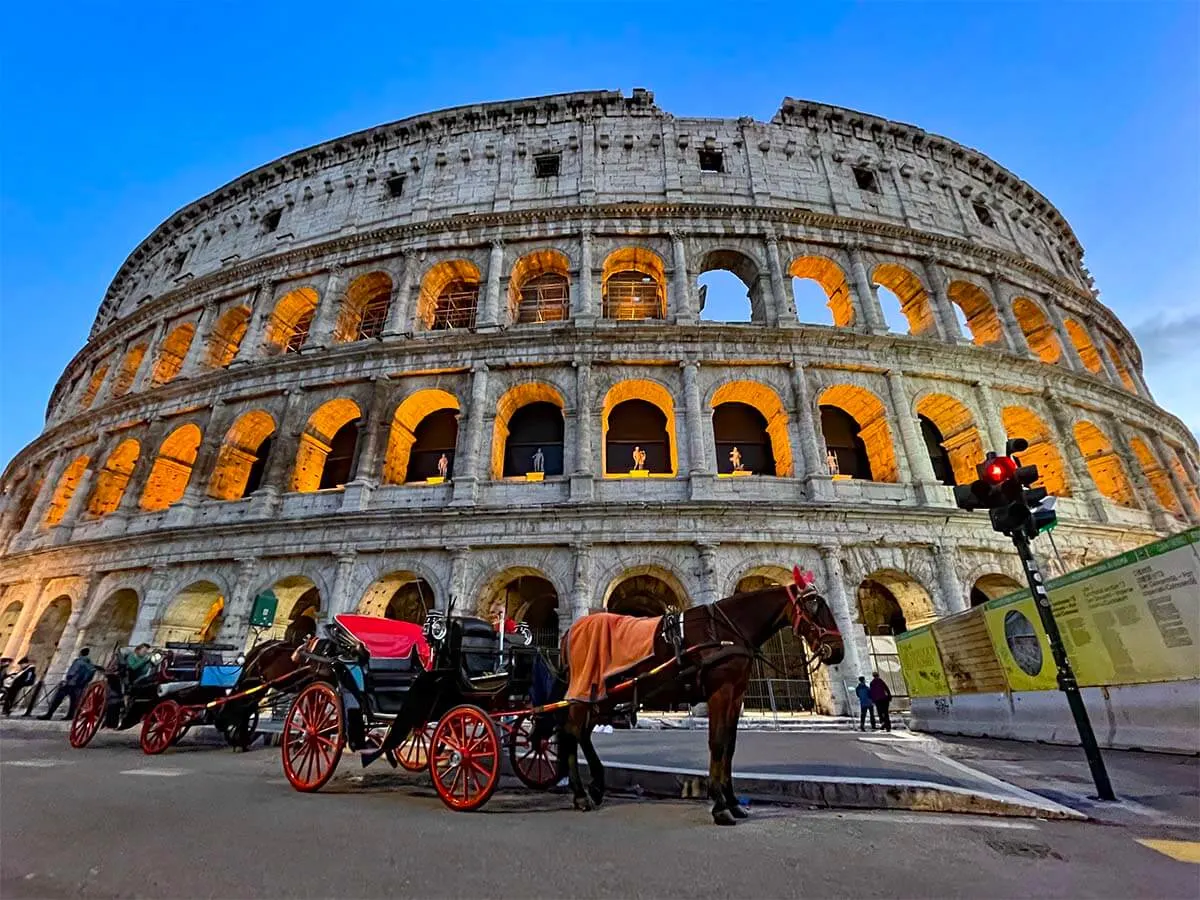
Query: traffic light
point(1003, 488)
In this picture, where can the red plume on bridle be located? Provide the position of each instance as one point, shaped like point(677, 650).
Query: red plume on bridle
point(808, 607)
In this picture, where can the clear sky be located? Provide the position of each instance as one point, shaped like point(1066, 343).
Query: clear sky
point(112, 116)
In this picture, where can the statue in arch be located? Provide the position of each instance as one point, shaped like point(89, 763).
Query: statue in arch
point(735, 457)
point(539, 461)
point(443, 465)
point(639, 459)
point(832, 463)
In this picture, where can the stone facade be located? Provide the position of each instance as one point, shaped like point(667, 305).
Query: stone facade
point(260, 386)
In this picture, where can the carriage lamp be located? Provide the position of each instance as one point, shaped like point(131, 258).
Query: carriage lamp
point(241, 659)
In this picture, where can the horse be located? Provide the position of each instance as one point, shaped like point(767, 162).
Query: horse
point(272, 663)
point(707, 653)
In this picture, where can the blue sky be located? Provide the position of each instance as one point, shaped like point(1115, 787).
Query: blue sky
point(113, 116)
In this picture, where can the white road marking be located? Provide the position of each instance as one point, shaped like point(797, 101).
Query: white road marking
point(35, 763)
point(160, 773)
point(895, 818)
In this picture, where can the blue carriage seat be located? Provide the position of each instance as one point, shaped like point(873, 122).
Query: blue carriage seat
point(224, 676)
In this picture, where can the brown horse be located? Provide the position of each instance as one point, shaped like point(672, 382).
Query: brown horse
point(269, 666)
point(720, 643)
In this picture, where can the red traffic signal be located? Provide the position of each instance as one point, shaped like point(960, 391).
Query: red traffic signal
point(997, 470)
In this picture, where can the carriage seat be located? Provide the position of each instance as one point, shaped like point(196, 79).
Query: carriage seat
point(397, 653)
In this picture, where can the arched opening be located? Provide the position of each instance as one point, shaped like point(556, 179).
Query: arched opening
point(449, 296)
point(112, 625)
point(195, 615)
point(1083, 346)
point(297, 610)
point(983, 325)
point(226, 336)
point(645, 592)
point(1038, 330)
point(891, 602)
point(731, 288)
point(1020, 422)
point(93, 386)
point(818, 281)
point(765, 432)
point(992, 587)
point(1104, 465)
point(113, 478)
point(31, 490)
point(64, 491)
point(288, 327)
point(172, 468)
point(911, 298)
point(8, 622)
point(243, 456)
point(325, 457)
point(364, 309)
point(1118, 362)
point(424, 428)
point(403, 595)
point(128, 370)
point(172, 353)
point(527, 596)
point(857, 436)
point(1157, 475)
point(634, 282)
point(951, 437)
point(47, 633)
point(532, 440)
point(539, 288)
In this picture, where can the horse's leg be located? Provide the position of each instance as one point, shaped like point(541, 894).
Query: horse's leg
point(718, 720)
point(731, 800)
point(577, 716)
point(595, 767)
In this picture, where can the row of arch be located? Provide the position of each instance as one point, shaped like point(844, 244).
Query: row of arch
point(633, 287)
point(750, 434)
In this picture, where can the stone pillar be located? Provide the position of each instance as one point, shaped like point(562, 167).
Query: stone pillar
point(1164, 454)
point(697, 463)
point(1070, 354)
point(585, 306)
point(206, 455)
point(24, 624)
point(868, 301)
point(683, 304)
point(812, 465)
point(1106, 363)
point(491, 317)
point(581, 588)
point(857, 659)
point(585, 452)
point(783, 310)
point(1139, 379)
point(1008, 319)
point(195, 352)
point(456, 603)
point(131, 499)
point(470, 439)
point(1082, 485)
point(78, 502)
point(1144, 494)
point(153, 606)
point(236, 625)
point(150, 360)
point(943, 308)
point(992, 430)
point(64, 650)
point(320, 335)
point(951, 593)
point(261, 306)
point(372, 435)
point(37, 512)
point(343, 578)
point(73, 640)
point(281, 459)
point(399, 321)
point(709, 592)
point(929, 489)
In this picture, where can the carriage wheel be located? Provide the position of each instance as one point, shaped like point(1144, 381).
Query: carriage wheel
point(413, 754)
point(534, 759)
point(314, 735)
point(160, 727)
point(89, 715)
point(465, 758)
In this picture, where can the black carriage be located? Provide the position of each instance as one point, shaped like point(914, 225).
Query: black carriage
point(450, 697)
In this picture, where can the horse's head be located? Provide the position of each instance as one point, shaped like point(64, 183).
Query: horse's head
point(813, 620)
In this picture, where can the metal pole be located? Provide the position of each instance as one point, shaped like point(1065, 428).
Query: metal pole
point(1066, 676)
point(1061, 565)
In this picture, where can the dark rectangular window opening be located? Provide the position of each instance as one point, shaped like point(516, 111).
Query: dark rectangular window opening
point(177, 263)
point(712, 161)
point(271, 220)
point(865, 179)
point(984, 215)
point(545, 165)
point(395, 186)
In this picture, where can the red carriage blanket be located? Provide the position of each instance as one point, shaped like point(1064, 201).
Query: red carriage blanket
point(388, 638)
point(604, 643)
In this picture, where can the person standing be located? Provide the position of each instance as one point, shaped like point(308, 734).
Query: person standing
point(25, 676)
point(865, 704)
point(72, 685)
point(881, 696)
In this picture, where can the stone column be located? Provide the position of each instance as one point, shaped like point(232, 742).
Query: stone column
point(239, 604)
point(1070, 354)
point(709, 592)
point(929, 489)
point(683, 304)
point(372, 435)
point(857, 659)
point(37, 512)
point(951, 595)
point(320, 335)
point(63, 651)
point(811, 466)
point(206, 455)
point(992, 430)
point(73, 637)
point(153, 605)
point(697, 463)
point(868, 301)
point(1144, 494)
point(261, 304)
point(1082, 485)
point(585, 306)
point(585, 453)
point(467, 460)
point(78, 502)
point(1106, 363)
point(282, 457)
point(456, 603)
point(1164, 454)
point(491, 317)
point(1008, 319)
point(783, 310)
point(150, 360)
point(22, 628)
point(943, 308)
point(341, 601)
point(131, 499)
point(581, 588)
point(399, 321)
point(195, 352)
point(1139, 379)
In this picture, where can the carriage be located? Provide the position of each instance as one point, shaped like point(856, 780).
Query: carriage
point(449, 697)
point(183, 685)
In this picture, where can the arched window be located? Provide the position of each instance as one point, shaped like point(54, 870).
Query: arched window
point(63, 493)
point(741, 427)
point(435, 436)
point(1083, 346)
point(226, 336)
point(243, 457)
point(911, 295)
point(951, 438)
point(449, 296)
point(93, 386)
point(340, 461)
point(172, 353)
point(113, 478)
point(634, 282)
point(828, 287)
point(128, 371)
point(1118, 362)
point(982, 322)
point(634, 424)
point(532, 428)
point(288, 327)
point(172, 468)
point(843, 439)
point(1104, 465)
point(1020, 422)
point(939, 457)
point(365, 308)
point(538, 288)
point(325, 456)
point(731, 288)
point(1039, 333)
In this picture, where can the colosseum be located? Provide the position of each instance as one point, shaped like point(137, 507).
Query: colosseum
point(463, 361)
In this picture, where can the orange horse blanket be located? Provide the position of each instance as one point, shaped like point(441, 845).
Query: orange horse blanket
point(602, 644)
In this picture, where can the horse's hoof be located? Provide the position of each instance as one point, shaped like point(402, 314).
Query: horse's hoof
point(597, 794)
point(583, 804)
point(724, 817)
point(739, 812)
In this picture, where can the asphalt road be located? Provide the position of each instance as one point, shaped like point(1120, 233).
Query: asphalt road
point(202, 821)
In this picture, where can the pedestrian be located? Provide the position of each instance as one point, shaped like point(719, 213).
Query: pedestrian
point(865, 704)
point(25, 676)
point(881, 695)
point(72, 685)
point(5, 662)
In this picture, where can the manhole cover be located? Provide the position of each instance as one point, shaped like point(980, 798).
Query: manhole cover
point(1027, 851)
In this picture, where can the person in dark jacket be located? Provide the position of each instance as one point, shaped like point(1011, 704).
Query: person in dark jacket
point(25, 676)
point(881, 696)
point(72, 685)
point(865, 704)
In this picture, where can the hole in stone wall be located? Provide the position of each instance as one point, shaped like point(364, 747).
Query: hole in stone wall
point(865, 179)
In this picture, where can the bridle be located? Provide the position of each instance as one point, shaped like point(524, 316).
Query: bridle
point(800, 595)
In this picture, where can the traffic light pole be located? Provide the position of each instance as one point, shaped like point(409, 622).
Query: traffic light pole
point(1066, 676)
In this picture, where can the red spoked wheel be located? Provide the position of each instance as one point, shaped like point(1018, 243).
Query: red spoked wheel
point(160, 727)
point(413, 754)
point(464, 758)
point(534, 759)
point(314, 735)
point(89, 715)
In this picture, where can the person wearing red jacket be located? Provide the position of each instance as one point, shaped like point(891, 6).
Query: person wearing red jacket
point(881, 696)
